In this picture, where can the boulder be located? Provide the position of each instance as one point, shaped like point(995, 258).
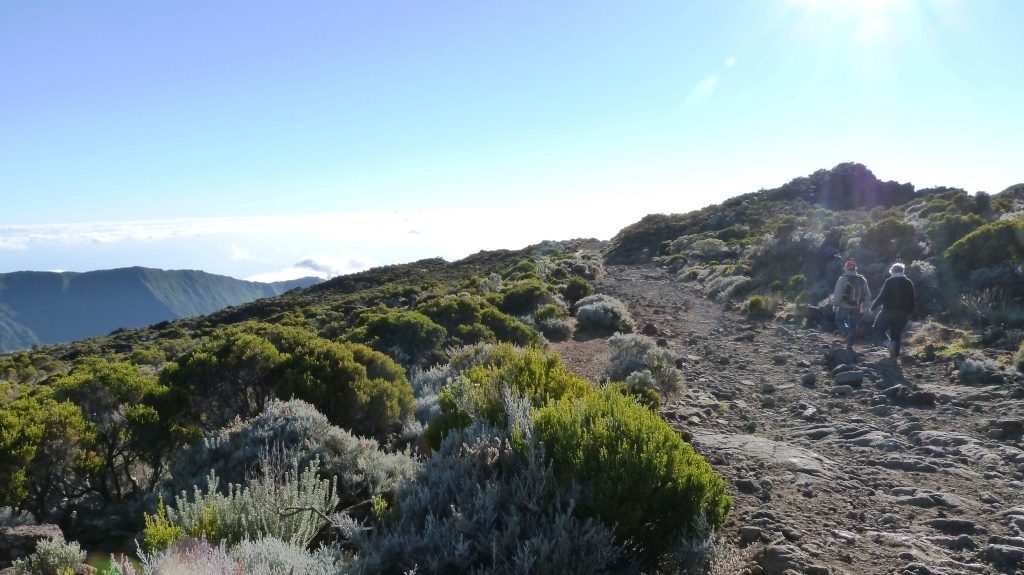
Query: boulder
point(851, 378)
point(19, 542)
point(779, 559)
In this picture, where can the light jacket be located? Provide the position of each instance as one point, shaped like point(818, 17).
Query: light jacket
point(865, 296)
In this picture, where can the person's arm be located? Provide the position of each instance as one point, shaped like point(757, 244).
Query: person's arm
point(837, 295)
point(912, 299)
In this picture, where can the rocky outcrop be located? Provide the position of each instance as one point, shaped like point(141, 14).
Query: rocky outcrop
point(20, 541)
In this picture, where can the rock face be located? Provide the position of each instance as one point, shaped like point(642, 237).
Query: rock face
point(19, 542)
point(839, 462)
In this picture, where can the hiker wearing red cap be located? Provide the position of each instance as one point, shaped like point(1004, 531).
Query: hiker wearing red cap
point(850, 297)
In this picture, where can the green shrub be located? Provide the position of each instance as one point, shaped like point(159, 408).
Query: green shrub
point(634, 472)
point(760, 306)
point(891, 240)
point(160, 532)
point(508, 329)
point(523, 297)
point(451, 312)
point(777, 286)
point(409, 337)
point(945, 231)
point(51, 557)
point(523, 269)
point(553, 321)
point(576, 288)
point(230, 374)
point(710, 248)
point(124, 408)
point(47, 451)
point(478, 393)
point(235, 373)
point(354, 386)
point(550, 311)
point(995, 245)
point(1018, 358)
point(797, 282)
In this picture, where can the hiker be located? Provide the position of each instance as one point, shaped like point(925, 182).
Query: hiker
point(850, 299)
point(897, 300)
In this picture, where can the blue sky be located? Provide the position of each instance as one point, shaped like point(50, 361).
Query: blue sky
point(246, 137)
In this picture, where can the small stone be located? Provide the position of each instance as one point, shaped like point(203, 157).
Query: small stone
point(649, 329)
point(751, 534)
point(768, 402)
point(809, 379)
point(841, 390)
point(954, 526)
point(780, 359)
point(746, 485)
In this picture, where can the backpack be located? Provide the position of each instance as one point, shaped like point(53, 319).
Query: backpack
point(852, 292)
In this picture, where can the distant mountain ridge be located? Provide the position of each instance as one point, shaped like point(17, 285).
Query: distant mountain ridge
point(40, 308)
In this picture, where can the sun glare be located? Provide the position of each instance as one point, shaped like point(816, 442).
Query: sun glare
point(868, 21)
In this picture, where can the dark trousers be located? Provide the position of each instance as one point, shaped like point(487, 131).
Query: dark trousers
point(889, 323)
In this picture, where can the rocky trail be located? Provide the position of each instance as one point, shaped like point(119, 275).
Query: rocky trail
point(839, 463)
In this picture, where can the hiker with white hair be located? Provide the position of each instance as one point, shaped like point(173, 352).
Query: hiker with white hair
point(897, 300)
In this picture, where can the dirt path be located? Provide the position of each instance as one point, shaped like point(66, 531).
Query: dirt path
point(883, 469)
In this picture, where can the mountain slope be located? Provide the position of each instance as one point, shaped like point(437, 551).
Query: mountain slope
point(39, 308)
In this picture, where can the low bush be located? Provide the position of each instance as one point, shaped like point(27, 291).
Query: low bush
point(47, 452)
point(977, 369)
point(760, 306)
point(710, 248)
point(270, 556)
point(359, 467)
point(478, 392)
point(553, 321)
point(634, 472)
point(409, 337)
point(481, 505)
point(576, 288)
point(632, 353)
point(354, 386)
point(508, 329)
point(190, 556)
point(995, 245)
point(674, 262)
point(523, 297)
point(797, 282)
point(1018, 358)
point(601, 313)
point(251, 511)
point(51, 557)
point(891, 240)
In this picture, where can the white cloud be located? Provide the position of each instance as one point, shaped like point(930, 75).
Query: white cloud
point(702, 90)
point(271, 248)
point(317, 265)
point(239, 254)
point(730, 62)
point(15, 243)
